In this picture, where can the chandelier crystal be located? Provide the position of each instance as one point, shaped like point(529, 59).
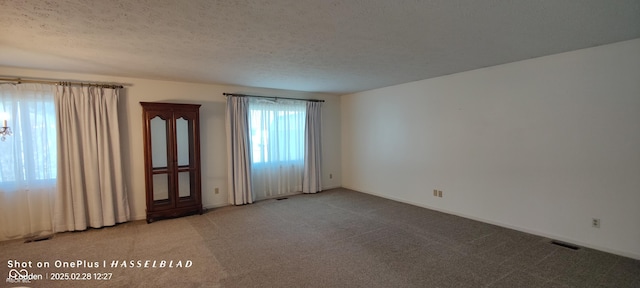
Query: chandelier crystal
point(5, 130)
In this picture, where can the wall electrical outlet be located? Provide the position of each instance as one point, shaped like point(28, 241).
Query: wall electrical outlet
point(440, 193)
point(216, 191)
point(595, 223)
point(330, 176)
point(435, 192)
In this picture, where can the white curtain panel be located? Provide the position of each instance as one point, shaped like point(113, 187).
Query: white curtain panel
point(28, 161)
point(91, 188)
point(312, 178)
point(277, 146)
point(239, 157)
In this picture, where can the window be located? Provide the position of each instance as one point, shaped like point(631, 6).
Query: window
point(29, 155)
point(277, 131)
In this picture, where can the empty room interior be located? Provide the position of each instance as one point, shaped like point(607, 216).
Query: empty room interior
point(320, 143)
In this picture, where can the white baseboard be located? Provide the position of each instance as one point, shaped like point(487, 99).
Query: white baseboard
point(139, 217)
point(331, 187)
point(215, 205)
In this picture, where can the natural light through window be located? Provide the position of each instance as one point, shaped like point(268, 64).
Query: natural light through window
point(277, 132)
point(30, 153)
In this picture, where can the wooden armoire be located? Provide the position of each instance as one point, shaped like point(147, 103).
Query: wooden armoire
point(171, 159)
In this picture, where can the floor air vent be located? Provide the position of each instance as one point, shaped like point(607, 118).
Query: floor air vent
point(565, 245)
point(38, 239)
point(283, 198)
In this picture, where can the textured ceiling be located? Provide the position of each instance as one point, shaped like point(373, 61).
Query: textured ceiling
point(309, 45)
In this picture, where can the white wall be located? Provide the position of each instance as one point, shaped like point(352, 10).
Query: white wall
point(212, 129)
point(542, 145)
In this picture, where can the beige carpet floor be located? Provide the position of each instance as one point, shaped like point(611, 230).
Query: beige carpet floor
point(337, 238)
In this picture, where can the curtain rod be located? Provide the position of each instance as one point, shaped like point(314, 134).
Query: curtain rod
point(255, 96)
point(56, 82)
